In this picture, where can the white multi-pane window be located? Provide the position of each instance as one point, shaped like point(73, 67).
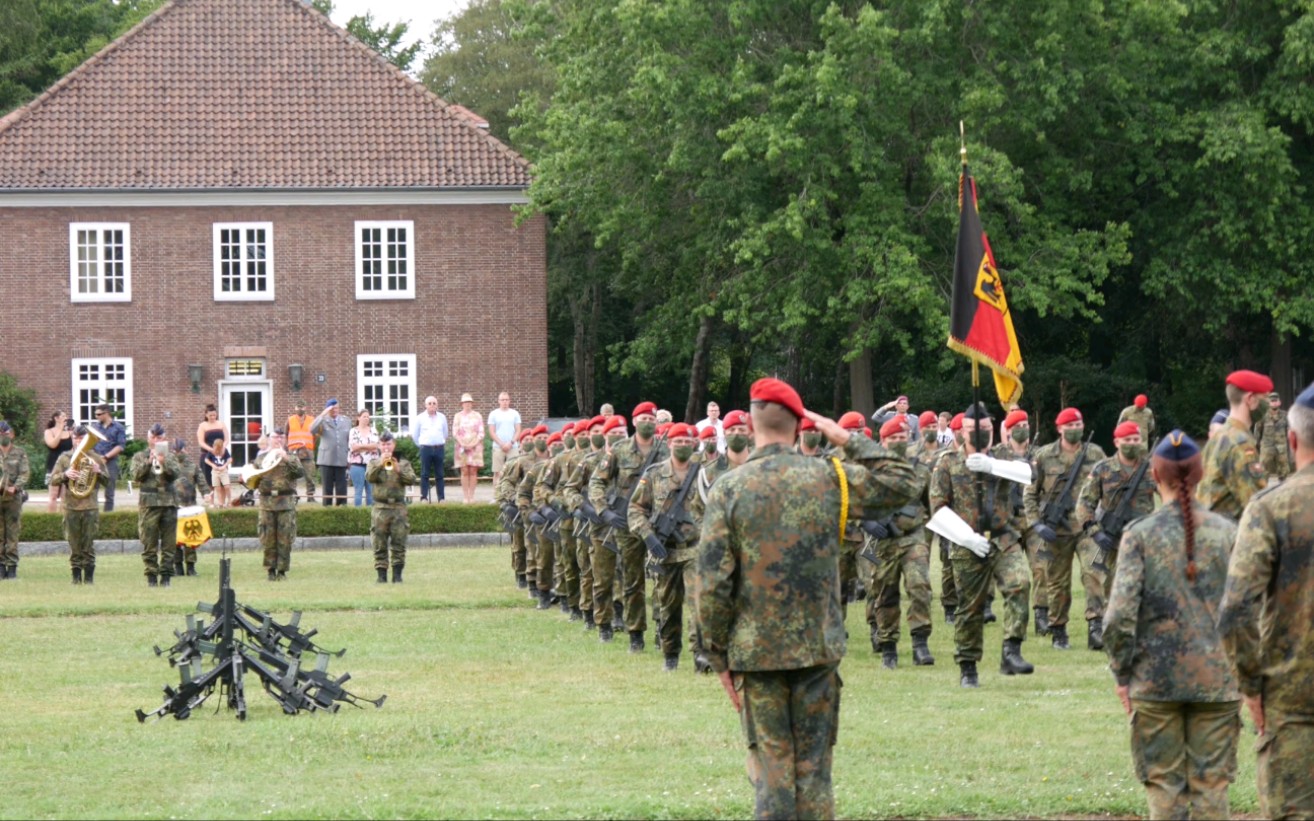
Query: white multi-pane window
point(385, 385)
point(103, 381)
point(243, 261)
point(385, 260)
point(100, 262)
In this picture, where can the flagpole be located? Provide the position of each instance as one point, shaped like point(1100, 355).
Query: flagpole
point(982, 523)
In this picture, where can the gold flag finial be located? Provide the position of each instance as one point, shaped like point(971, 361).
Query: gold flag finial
point(962, 142)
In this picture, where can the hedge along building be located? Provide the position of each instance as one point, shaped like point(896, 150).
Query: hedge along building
point(238, 202)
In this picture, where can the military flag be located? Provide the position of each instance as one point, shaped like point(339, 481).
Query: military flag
point(980, 326)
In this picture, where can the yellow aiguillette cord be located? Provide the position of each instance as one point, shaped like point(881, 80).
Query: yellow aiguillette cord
point(844, 495)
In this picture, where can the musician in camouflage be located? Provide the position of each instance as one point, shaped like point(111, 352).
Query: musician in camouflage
point(190, 481)
point(81, 516)
point(14, 474)
point(1271, 432)
point(157, 507)
point(277, 523)
point(1172, 675)
point(390, 523)
point(1267, 623)
point(1232, 470)
point(766, 594)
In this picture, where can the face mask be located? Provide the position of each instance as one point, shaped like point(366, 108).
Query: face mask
point(598, 441)
point(682, 452)
point(958, 438)
point(557, 449)
point(929, 436)
point(1020, 435)
point(1131, 452)
point(710, 447)
point(6, 441)
point(615, 440)
point(811, 440)
point(645, 429)
point(540, 446)
point(737, 442)
point(1072, 435)
point(568, 441)
point(899, 449)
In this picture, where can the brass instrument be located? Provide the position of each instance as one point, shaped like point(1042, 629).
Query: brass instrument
point(85, 483)
point(157, 458)
point(250, 473)
point(389, 463)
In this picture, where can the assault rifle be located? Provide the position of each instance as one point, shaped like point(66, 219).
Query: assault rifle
point(666, 524)
point(879, 529)
point(1114, 521)
point(618, 504)
point(1056, 512)
point(510, 516)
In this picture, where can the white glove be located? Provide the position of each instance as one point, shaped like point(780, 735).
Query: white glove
point(950, 525)
point(1012, 470)
point(980, 463)
point(979, 545)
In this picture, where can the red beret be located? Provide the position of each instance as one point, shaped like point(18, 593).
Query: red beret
point(1014, 417)
point(539, 430)
point(956, 423)
point(679, 430)
point(644, 407)
point(597, 420)
point(579, 427)
point(926, 419)
point(1128, 428)
point(898, 424)
point(1141, 400)
point(525, 434)
point(1067, 415)
point(1250, 382)
point(807, 424)
point(866, 431)
point(613, 423)
point(708, 432)
point(774, 390)
point(554, 438)
point(853, 421)
point(734, 417)
point(663, 428)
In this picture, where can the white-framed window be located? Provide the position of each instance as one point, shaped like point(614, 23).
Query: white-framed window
point(385, 386)
point(108, 381)
point(243, 261)
point(100, 262)
point(385, 260)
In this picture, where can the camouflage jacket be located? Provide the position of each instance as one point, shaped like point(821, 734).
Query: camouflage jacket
point(1232, 471)
point(720, 466)
point(1160, 628)
point(619, 471)
point(547, 490)
point(390, 485)
point(512, 472)
point(910, 518)
point(57, 477)
point(575, 489)
point(525, 490)
point(956, 487)
point(1274, 455)
point(656, 491)
point(1104, 489)
point(155, 490)
point(1005, 452)
point(1267, 615)
point(1049, 474)
point(765, 579)
point(278, 486)
point(15, 469)
point(1143, 417)
point(190, 479)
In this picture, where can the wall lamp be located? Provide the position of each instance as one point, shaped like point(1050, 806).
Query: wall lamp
point(195, 373)
point(296, 373)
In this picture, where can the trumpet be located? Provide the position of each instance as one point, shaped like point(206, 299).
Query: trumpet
point(389, 463)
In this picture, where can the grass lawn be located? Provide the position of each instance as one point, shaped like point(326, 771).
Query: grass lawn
point(496, 710)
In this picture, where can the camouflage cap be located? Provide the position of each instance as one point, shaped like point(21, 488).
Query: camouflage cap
point(157, 429)
point(1176, 447)
point(386, 436)
point(1306, 398)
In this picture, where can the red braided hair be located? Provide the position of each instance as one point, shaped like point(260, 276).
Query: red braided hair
point(1182, 477)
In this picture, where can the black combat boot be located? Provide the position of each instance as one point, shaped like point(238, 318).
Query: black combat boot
point(949, 614)
point(671, 663)
point(191, 568)
point(544, 600)
point(152, 580)
point(618, 616)
point(89, 575)
point(1058, 636)
point(532, 584)
point(178, 569)
point(565, 605)
point(589, 624)
point(272, 575)
point(875, 642)
point(988, 617)
point(921, 653)
point(701, 664)
point(889, 655)
point(1095, 634)
point(383, 575)
point(280, 576)
point(77, 575)
point(164, 579)
point(1042, 621)
point(576, 614)
point(397, 573)
point(636, 641)
point(604, 632)
point(520, 581)
point(967, 674)
point(1012, 663)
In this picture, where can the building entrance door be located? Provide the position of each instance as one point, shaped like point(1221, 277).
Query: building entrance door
point(246, 408)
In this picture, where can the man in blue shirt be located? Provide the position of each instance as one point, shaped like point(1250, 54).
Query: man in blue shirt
point(431, 435)
point(114, 441)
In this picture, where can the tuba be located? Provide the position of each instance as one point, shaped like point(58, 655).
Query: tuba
point(251, 473)
point(85, 484)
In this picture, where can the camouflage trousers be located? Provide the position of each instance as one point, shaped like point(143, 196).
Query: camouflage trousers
point(518, 549)
point(584, 562)
point(1039, 570)
point(1185, 755)
point(11, 518)
point(1059, 571)
point(389, 527)
point(307, 459)
point(790, 720)
point(948, 592)
point(669, 591)
point(186, 554)
point(157, 528)
point(567, 584)
point(278, 530)
point(1286, 766)
point(603, 562)
point(972, 575)
point(545, 561)
point(907, 559)
point(633, 559)
point(80, 527)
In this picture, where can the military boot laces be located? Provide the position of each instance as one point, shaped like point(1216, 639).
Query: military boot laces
point(397, 573)
point(889, 656)
point(967, 674)
point(77, 575)
point(383, 575)
point(1058, 636)
point(921, 653)
point(636, 641)
point(1012, 663)
point(671, 663)
point(1095, 634)
point(1042, 621)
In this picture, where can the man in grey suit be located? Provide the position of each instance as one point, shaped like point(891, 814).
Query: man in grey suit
point(334, 431)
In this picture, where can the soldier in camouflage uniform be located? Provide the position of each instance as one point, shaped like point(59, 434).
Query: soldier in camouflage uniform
point(948, 593)
point(1173, 677)
point(574, 543)
point(542, 549)
point(735, 424)
point(565, 574)
point(1053, 465)
point(766, 595)
point(1267, 623)
point(1139, 412)
point(14, 474)
point(505, 497)
point(1105, 489)
point(157, 507)
point(850, 587)
point(1016, 444)
point(590, 446)
point(535, 450)
point(604, 433)
point(1271, 431)
point(902, 551)
point(389, 521)
point(616, 478)
point(81, 516)
point(809, 438)
point(277, 524)
point(969, 484)
point(656, 494)
point(1232, 470)
point(190, 481)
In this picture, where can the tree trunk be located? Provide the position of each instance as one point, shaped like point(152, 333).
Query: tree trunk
point(737, 391)
point(1279, 367)
point(698, 370)
point(585, 313)
point(837, 406)
point(861, 389)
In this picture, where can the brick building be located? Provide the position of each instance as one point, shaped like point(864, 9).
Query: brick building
point(237, 202)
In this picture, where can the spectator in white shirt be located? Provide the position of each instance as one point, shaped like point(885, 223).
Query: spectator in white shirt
point(504, 427)
point(431, 437)
point(713, 420)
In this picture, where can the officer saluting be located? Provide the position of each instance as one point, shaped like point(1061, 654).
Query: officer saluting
point(1232, 470)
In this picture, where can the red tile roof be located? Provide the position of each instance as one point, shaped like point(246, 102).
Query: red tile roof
point(224, 94)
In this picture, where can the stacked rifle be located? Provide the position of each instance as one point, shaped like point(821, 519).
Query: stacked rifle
point(238, 638)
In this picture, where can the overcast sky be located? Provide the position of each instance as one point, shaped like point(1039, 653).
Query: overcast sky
point(420, 14)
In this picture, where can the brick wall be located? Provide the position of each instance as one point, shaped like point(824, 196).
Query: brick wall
point(478, 322)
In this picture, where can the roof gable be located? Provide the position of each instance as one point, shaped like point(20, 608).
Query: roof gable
point(245, 94)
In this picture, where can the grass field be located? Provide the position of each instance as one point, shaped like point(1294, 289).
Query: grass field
point(496, 710)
